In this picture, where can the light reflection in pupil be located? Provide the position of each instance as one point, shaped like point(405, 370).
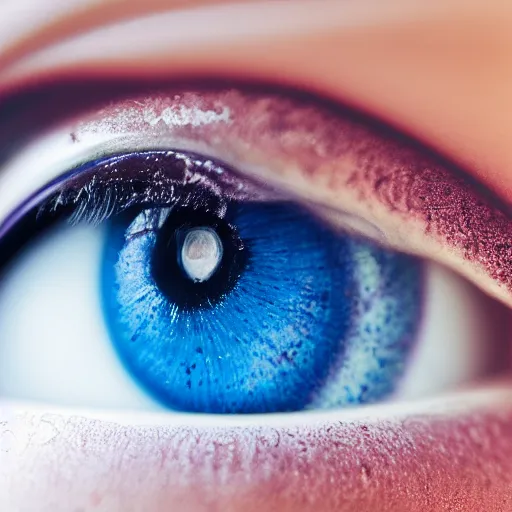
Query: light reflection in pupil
point(201, 253)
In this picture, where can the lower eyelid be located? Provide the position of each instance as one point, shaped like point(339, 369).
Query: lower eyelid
point(364, 458)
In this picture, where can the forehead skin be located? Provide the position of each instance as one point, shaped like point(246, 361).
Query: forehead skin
point(439, 70)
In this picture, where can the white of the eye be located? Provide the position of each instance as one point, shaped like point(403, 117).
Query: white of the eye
point(201, 253)
point(457, 339)
point(54, 346)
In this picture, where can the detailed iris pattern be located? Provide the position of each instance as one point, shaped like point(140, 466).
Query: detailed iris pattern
point(223, 297)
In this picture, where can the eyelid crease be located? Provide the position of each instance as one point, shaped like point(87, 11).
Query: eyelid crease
point(64, 25)
point(71, 18)
point(325, 155)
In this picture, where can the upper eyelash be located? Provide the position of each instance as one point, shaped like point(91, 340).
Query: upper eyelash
point(110, 186)
point(89, 206)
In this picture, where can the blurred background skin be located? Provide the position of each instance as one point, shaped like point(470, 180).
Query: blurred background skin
point(438, 70)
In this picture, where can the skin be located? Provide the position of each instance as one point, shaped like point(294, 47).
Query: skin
point(441, 455)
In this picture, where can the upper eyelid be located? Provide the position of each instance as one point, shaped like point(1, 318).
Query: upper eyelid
point(372, 187)
point(28, 117)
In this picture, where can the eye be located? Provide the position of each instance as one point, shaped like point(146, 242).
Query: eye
point(174, 270)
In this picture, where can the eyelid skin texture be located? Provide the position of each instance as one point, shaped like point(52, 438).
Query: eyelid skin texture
point(323, 154)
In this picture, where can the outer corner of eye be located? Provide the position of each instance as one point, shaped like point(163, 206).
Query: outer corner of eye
point(460, 340)
point(208, 295)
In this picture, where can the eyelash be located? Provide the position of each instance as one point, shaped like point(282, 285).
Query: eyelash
point(120, 182)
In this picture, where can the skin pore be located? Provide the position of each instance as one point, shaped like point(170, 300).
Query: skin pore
point(436, 70)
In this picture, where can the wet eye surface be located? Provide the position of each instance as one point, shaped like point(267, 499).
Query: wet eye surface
point(159, 273)
point(222, 299)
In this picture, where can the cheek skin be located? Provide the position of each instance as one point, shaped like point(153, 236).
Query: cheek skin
point(409, 463)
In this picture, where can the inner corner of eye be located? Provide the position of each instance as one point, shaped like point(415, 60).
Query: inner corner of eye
point(215, 295)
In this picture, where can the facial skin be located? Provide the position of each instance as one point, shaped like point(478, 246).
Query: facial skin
point(439, 71)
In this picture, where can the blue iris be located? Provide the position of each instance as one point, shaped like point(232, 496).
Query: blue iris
point(296, 316)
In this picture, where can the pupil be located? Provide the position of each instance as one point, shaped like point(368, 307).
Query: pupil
point(201, 253)
point(198, 258)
